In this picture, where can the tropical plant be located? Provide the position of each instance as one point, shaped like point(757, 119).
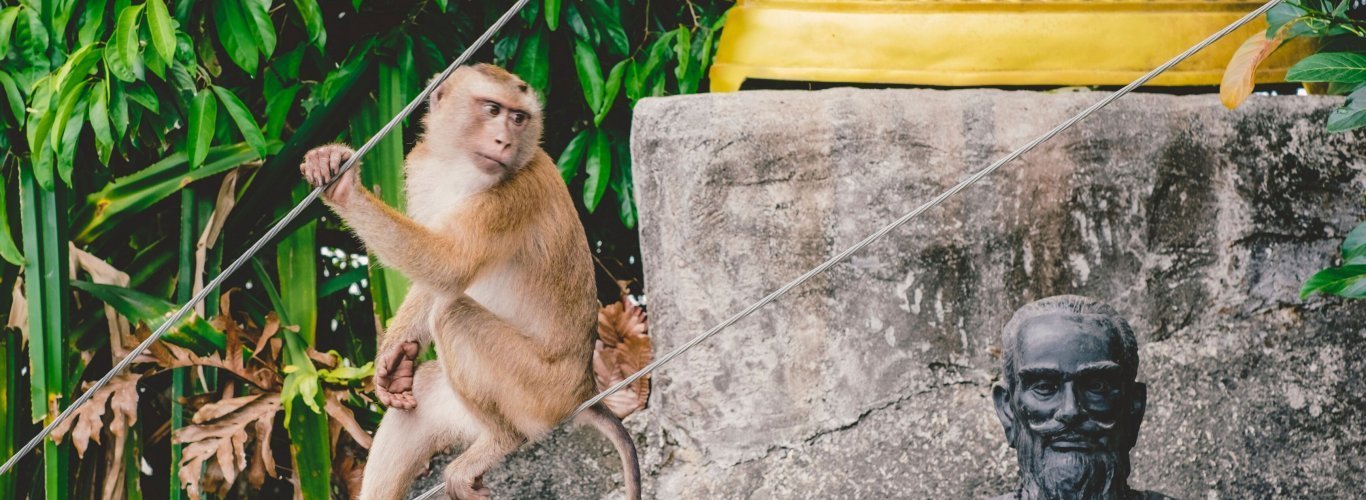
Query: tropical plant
point(159, 136)
point(1338, 67)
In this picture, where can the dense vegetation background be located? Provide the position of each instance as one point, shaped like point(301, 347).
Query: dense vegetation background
point(145, 142)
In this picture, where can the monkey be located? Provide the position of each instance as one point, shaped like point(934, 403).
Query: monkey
point(501, 284)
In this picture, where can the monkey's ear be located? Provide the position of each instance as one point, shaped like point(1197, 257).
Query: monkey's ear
point(1001, 397)
point(439, 93)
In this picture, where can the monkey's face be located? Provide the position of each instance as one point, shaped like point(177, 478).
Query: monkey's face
point(494, 118)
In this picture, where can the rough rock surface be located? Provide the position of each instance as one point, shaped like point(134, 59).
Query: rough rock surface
point(873, 380)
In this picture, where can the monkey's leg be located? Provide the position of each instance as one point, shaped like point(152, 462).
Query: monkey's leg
point(406, 439)
point(465, 475)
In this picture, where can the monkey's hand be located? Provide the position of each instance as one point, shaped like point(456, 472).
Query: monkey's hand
point(394, 369)
point(321, 165)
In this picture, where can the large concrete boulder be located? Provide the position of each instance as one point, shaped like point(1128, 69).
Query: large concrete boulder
point(873, 380)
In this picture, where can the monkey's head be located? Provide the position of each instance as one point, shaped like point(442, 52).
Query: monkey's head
point(487, 114)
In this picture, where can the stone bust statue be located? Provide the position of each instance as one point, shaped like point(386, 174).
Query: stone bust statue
point(1069, 400)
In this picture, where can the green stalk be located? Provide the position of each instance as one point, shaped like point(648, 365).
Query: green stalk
point(189, 229)
point(296, 260)
point(383, 172)
point(9, 414)
point(45, 245)
point(309, 442)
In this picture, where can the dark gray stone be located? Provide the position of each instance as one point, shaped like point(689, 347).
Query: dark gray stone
point(873, 380)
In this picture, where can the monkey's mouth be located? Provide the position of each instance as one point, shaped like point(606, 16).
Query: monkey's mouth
point(492, 159)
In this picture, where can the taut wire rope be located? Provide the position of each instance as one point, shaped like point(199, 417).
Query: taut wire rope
point(256, 247)
point(911, 215)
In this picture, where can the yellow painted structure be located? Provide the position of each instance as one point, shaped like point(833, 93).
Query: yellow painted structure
point(983, 42)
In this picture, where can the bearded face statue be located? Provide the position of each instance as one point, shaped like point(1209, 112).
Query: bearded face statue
point(1069, 401)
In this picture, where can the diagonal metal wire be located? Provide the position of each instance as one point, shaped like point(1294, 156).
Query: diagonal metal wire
point(256, 247)
point(912, 214)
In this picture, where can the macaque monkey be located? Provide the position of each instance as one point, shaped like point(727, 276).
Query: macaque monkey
point(502, 285)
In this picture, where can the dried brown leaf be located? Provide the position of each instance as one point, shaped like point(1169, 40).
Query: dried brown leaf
point(87, 422)
point(121, 339)
point(341, 415)
point(217, 443)
point(623, 348)
point(18, 309)
point(227, 198)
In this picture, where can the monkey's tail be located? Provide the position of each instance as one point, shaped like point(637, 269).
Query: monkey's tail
point(609, 425)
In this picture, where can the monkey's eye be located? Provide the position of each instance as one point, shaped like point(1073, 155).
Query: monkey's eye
point(518, 118)
point(492, 108)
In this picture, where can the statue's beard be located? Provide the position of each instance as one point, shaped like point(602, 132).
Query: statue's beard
point(1052, 474)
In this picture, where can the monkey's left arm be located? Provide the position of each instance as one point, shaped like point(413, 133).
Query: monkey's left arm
point(447, 261)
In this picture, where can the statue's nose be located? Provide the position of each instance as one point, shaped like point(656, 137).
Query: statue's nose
point(1068, 412)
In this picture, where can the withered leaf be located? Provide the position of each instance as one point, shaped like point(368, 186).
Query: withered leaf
point(623, 348)
point(217, 442)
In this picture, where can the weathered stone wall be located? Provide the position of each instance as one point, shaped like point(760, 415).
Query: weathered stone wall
point(873, 380)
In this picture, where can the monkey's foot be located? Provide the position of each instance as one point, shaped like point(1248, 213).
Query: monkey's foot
point(469, 489)
point(394, 372)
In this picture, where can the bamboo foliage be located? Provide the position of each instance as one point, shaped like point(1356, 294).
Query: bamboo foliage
point(44, 226)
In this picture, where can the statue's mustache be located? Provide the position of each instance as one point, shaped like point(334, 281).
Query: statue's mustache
point(1054, 429)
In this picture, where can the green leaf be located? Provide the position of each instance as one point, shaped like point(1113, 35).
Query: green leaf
point(245, 122)
point(71, 136)
point(8, 250)
point(1346, 281)
point(192, 332)
point(683, 53)
point(610, 90)
point(623, 186)
point(1352, 114)
point(126, 48)
point(590, 74)
point(278, 105)
point(608, 21)
point(552, 14)
point(155, 64)
point(578, 25)
point(309, 439)
point(348, 375)
point(505, 48)
point(163, 31)
point(1354, 246)
point(235, 32)
point(1282, 13)
point(118, 109)
point(258, 11)
point(63, 114)
point(143, 94)
point(313, 21)
point(76, 68)
point(7, 17)
point(573, 155)
point(92, 23)
point(12, 95)
point(599, 167)
point(343, 281)
point(32, 38)
point(125, 197)
point(99, 122)
point(533, 62)
point(296, 258)
point(1345, 67)
point(203, 119)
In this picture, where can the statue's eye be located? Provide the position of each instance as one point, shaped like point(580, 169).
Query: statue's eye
point(1098, 386)
point(1044, 388)
point(518, 118)
point(492, 108)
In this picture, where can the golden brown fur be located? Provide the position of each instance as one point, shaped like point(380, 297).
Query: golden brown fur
point(502, 284)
